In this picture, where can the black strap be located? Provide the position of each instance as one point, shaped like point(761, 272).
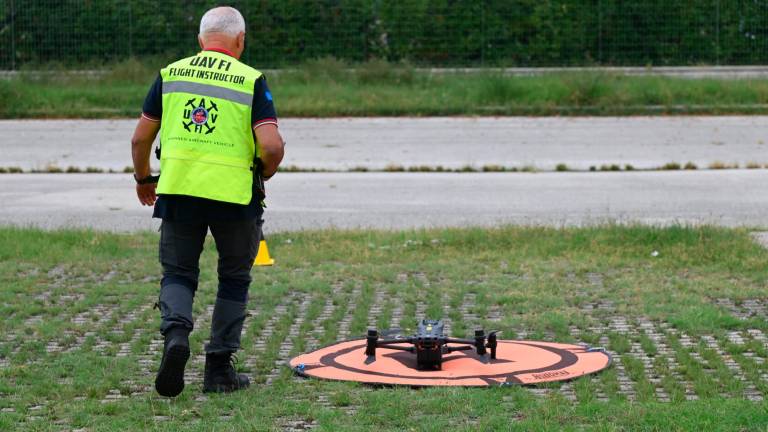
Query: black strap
point(147, 180)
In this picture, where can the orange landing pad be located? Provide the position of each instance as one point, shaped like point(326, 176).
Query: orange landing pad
point(517, 362)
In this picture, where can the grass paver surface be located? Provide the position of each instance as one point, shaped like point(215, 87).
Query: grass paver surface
point(683, 311)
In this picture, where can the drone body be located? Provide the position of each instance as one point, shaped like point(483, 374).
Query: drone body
point(429, 344)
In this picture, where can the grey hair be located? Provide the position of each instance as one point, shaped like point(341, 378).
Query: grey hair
point(227, 20)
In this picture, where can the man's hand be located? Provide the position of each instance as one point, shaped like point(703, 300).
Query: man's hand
point(146, 193)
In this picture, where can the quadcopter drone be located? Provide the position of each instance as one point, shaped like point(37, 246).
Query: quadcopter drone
point(430, 344)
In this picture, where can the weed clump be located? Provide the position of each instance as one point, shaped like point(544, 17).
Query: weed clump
point(421, 168)
point(588, 89)
point(394, 168)
point(671, 166)
point(379, 71)
point(718, 165)
point(494, 168)
point(690, 166)
point(325, 69)
point(131, 70)
point(561, 167)
point(502, 90)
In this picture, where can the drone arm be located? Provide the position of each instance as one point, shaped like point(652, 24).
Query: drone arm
point(460, 341)
point(448, 349)
point(373, 342)
point(401, 348)
point(385, 342)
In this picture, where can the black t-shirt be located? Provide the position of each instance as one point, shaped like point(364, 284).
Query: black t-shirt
point(182, 208)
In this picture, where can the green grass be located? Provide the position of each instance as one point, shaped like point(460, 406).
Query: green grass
point(72, 289)
point(325, 88)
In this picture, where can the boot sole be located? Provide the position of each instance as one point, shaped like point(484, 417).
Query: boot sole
point(223, 389)
point(170, 377)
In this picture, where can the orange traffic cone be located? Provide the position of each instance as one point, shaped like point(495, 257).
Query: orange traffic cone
point(262, 257)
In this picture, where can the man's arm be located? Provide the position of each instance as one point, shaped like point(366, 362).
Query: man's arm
point(141, 147)
point(264, 124)
point(271, 146)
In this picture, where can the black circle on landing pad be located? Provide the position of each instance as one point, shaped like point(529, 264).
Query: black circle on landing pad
point(517, 362)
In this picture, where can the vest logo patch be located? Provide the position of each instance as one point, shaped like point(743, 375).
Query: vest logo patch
point(199, 117)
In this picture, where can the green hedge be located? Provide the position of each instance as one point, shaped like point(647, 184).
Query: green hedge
point(423, 32)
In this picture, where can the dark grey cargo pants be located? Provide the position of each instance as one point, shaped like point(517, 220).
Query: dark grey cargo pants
point(180, 247)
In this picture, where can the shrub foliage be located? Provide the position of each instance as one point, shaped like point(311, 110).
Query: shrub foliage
point(422, 32)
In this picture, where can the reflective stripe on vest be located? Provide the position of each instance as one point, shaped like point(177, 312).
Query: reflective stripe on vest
point(206, 135)
point(208, 90)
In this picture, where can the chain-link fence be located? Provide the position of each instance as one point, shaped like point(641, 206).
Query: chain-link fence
point(436, 33)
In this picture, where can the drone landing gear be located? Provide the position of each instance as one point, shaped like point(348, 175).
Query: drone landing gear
point(370, 345)
point(492, 343)
point(481, 345)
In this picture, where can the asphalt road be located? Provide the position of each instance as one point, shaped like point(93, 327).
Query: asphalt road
point(415, 200)
point(453, 142)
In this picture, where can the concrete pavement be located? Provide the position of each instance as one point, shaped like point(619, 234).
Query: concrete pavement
point(414, 200)
point(452, 142)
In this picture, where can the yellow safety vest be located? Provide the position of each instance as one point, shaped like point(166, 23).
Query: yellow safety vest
point(207, 140)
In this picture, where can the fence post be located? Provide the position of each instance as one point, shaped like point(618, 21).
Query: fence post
point(600, 32)
point(717, 32)
point(482, 34)
point(13, 35)
point(244, 10)
point(130, 30)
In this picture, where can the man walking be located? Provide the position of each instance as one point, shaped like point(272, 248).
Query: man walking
point(218, 141)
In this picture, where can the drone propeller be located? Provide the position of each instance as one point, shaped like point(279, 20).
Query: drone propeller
point(493, 342)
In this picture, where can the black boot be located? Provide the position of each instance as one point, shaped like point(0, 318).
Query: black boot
point(170, 376)
point(220, 375)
